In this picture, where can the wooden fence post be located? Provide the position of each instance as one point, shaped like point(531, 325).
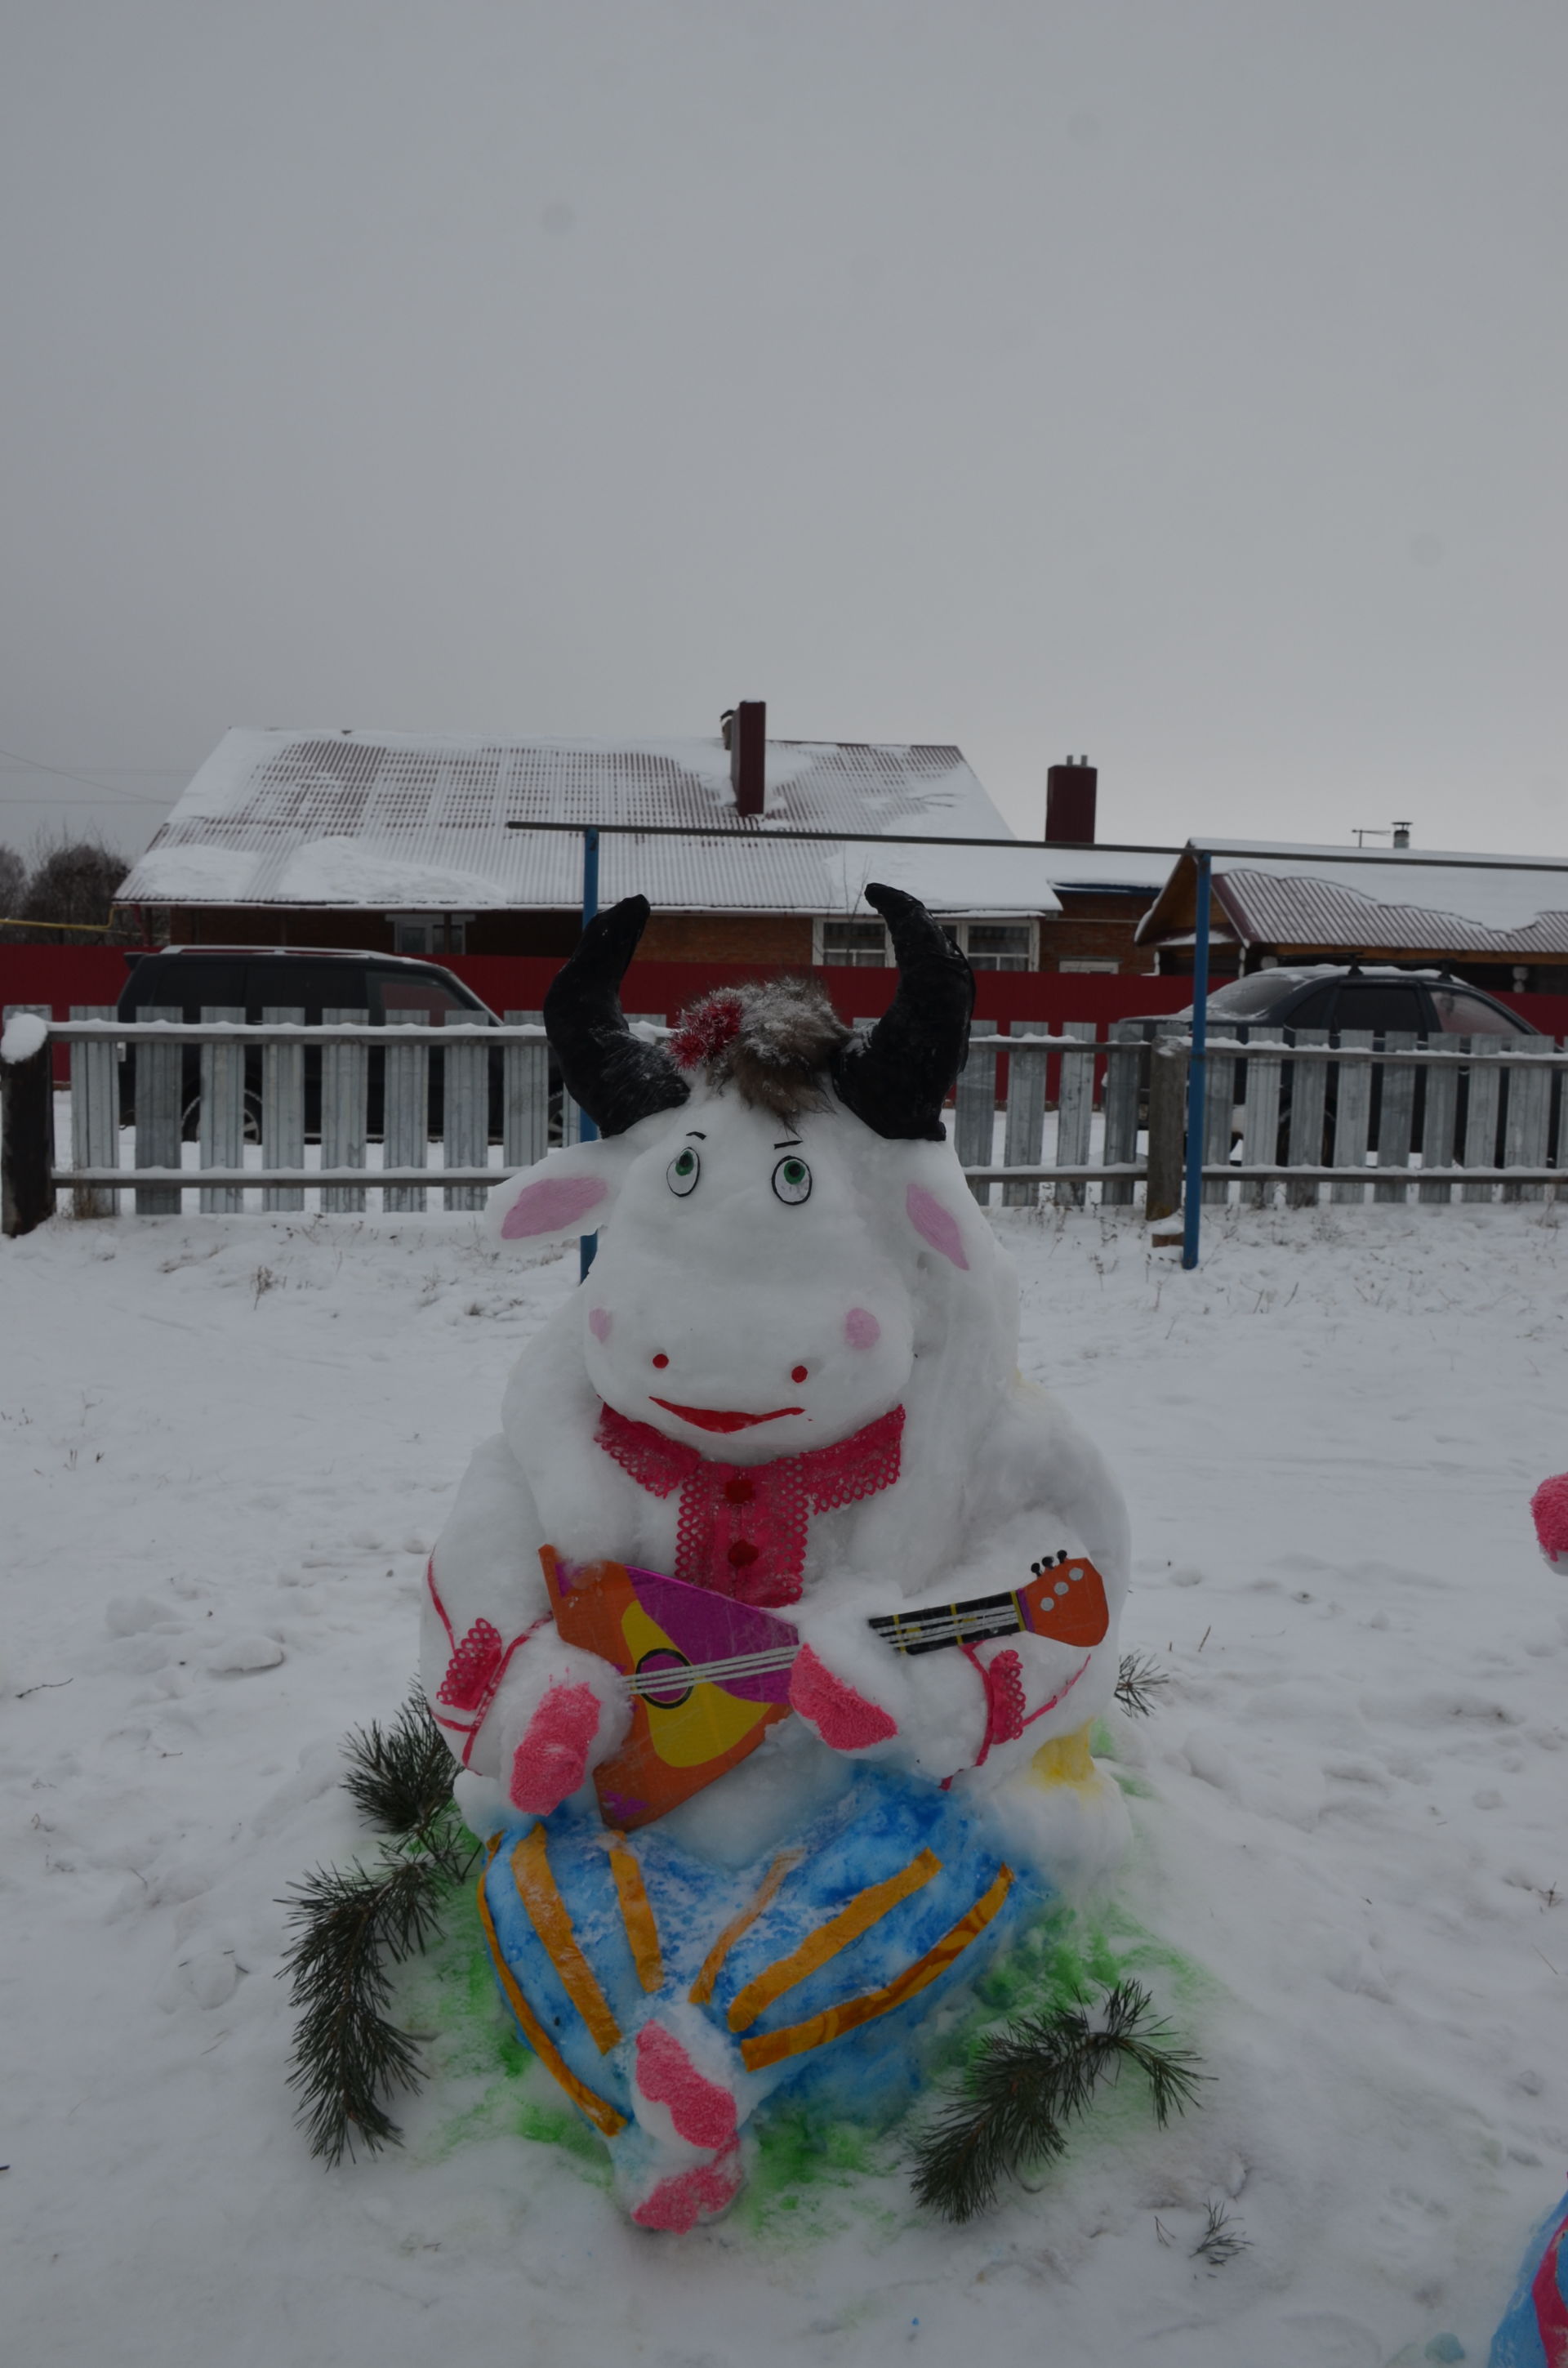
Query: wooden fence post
point(26, 1124)
point(975, 1105)
point(1123, 1062)
point(95, 1113)
point(1167, 1130)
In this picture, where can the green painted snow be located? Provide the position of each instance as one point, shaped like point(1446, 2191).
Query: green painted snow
point(813, 2171)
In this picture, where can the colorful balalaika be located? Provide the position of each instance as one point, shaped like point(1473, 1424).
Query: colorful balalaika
point(708, 1677)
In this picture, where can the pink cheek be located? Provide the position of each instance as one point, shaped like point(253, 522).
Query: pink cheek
point(599, 1321)
point(861, 1328)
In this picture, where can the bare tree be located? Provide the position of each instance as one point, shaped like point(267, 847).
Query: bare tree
point(13, 887)
point(74, 881)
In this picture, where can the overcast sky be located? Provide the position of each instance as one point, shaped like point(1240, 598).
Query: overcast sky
point(1180, 381)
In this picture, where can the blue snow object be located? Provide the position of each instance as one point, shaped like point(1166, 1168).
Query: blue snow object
point(1534, 2333)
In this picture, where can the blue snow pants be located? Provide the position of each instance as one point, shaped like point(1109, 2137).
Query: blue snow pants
point(818, 1963)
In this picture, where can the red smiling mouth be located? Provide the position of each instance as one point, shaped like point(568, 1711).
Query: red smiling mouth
point(714, 1419)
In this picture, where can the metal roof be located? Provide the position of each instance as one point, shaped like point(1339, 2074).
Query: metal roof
point(404, 822)
point(1500, 907)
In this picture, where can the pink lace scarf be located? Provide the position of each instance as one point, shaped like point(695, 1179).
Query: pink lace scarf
point(741, 1528)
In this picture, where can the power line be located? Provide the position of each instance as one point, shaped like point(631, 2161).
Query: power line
point(136, 799)
point(109, 789)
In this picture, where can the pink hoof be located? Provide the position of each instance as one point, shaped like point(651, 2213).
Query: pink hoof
point(679, 2203)
point(553, 1759)
point(703, 2112)
point(845, 1720)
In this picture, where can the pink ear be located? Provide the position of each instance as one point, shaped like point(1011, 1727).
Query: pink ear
point(553, 1201)
point(935, 1224)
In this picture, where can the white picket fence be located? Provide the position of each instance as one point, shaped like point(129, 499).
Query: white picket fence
point(1070, 1117)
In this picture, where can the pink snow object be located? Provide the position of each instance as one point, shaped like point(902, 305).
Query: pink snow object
point(679, 2203)
point(845, 1720)
point(935, 1224)
point(599, 1321)
point(553, 1200)
point(552, 1758)
point(861, 1328)
point(703, 2112)
point(1549, 1507)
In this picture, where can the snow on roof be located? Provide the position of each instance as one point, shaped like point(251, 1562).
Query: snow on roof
point(403, 821)
point(1364, 899)
point(1123, 870)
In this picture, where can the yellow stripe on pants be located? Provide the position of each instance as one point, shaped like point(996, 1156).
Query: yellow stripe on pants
point(757, 2055)
point(637, 1914)
point(540, 1894)
point(712, 1964)
point(599, 2110)
point(868, 1908)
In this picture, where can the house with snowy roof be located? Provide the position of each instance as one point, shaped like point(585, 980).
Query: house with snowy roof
point(750, 849)
point(1500, 921)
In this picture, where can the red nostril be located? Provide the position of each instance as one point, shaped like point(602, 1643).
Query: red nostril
point(661, 1361)
point(799, 1373)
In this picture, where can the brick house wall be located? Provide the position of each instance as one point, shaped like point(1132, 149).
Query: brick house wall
point(1095, 928)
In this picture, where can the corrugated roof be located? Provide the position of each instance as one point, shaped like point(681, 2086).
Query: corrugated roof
point(1508, 908)
point(397, 821)
point(1308, 911)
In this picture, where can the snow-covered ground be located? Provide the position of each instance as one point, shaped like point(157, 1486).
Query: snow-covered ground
point(225, 1447)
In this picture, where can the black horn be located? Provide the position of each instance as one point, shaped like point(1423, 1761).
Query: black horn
point(607, 1071)
point(899, 1080)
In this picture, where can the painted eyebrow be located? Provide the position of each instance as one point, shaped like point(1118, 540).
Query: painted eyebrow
point(787, 1140)
point(696, 1132)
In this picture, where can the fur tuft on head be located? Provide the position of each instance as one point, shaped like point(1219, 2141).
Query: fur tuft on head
point(772, 1042)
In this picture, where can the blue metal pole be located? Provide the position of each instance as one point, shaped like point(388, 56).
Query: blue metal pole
point(587, 1132)
point(1197, 1073)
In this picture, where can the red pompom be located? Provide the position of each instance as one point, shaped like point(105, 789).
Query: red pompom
point(706, 1030)
point(1549, 1507)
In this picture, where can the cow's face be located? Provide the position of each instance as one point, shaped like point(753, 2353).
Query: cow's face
point(751, 1294)
point(740, 1301)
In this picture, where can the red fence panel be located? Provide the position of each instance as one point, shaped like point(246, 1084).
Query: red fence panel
point(62, 975)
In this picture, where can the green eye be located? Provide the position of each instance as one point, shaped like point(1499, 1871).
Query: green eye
point(682, 1171)
point(792, 1181)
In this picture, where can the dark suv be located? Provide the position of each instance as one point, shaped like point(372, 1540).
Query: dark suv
point(257, 979)
point(1384, 1001)
point(1424, 1002)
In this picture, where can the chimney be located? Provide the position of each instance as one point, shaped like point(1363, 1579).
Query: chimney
point(1070, 791)
point(744, 732)
point(1402, 833)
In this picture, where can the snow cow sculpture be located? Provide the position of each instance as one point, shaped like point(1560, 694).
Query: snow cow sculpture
point(770, 1628)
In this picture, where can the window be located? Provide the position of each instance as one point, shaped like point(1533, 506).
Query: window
point(990, 945)
point(852, 945)
point(1251, 998)
point(1467, 1015)
point(284, 984)
point(998, 945)
point(190, 985)
point(1363, 1004)
point(1094, 962)
point(429, 933)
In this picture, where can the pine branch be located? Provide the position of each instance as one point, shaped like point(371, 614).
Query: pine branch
point(352, 1926)
point(1026, 2082)
point(1221, 2240)
point(348, 2054)
point(1137, 1679)
point(400, 1776)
